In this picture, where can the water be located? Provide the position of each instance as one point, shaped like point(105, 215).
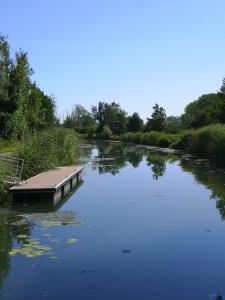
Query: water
point(144, 225)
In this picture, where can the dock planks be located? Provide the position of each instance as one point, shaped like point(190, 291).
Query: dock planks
point(53, 184)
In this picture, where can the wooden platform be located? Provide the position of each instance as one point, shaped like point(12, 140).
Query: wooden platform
point(51, 185)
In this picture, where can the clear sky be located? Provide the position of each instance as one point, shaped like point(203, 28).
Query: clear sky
point(134, 52)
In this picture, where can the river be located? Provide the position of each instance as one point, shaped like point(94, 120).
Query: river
point(142, 225)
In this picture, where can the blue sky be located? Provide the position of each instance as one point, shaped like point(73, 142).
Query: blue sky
point(134, 52)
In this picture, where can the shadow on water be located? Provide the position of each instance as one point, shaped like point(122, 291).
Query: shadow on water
point(13, 224)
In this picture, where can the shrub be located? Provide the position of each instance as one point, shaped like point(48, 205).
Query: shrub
point(152, 138)
point(105, 134)
point(207, 141)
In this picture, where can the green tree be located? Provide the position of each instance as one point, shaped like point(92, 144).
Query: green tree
point(111, 115)
point(173, 124)
point(135, 123)
point(222, 89)
point(80, 119)
point(23, 106)
point(157, 120)
point(5, 69)
point(209, 108)
point(19, 93)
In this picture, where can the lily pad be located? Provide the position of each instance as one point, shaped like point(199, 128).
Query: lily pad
point(22, 236)
point(71, 241)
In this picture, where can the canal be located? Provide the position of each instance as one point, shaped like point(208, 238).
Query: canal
point(143, 224)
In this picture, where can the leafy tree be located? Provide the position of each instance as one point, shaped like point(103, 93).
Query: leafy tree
point(40, 109)
point(135, 123)
point(172, 124)
point(222, 89)
point(80, 118)
point(23, 106)
point(5, 68)
point(209, 108)
point(111, 115)
point(157, 120)
point(19, 94)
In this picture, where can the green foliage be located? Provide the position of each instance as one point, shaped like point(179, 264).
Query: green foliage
point(105, 134)
point(153, 138)
point(4, 185)
point(208, 109)
point(9, 145)
point(24, 107)
point(208, 141)
point(111, 115)
point(48, 149)
point(222, 89)
point(80, 119)
point(173, 125)
point(135, 123)
point(157, 120)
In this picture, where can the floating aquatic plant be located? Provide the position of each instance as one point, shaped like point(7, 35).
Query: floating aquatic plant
point(22, 236)
point(71, 241)
point(31, 249)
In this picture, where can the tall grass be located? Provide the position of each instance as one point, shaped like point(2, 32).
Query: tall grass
point(48, 149)
point(207, 141)
point(9, 145)
point(152, 138)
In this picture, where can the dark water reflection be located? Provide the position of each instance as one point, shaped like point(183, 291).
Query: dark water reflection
point(143, 225)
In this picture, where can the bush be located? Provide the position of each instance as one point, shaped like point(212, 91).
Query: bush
point(106, 133)
point(48, 149)
point(207, 141)
point(152, 138)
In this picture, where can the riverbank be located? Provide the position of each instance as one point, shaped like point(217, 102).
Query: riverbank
point(9, 145)
point(207, 142)
point(41, 151)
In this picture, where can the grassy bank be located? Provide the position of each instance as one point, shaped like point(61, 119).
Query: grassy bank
point(153, 138)
point(48, 149)
point(9, 145)
point(42, 151)
point(208, 142)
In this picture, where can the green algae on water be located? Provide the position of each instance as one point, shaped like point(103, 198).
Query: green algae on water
point(72, 241)
point(31, 249)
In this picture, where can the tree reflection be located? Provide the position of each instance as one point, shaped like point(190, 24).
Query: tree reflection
point(211, 177)
point(10, 227)
point(157, 164)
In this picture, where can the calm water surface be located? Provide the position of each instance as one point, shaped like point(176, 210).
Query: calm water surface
point(143, 225)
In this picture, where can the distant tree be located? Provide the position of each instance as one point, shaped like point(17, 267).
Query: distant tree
point(209, 108)
point(173, 124)
point(135, 123)
point(111, 115)
point(80, 119)
point(157, 120)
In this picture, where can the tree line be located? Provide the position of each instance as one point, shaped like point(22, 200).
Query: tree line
point(106, 119)
point(24, 107)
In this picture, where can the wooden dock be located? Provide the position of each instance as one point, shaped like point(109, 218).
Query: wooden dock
point(50, 185)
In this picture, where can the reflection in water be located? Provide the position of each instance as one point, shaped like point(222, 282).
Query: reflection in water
point(20, 220)
point(124, 154)
point(211, 177)
point(204, 172)
point(10, 228)
point(17, 221)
